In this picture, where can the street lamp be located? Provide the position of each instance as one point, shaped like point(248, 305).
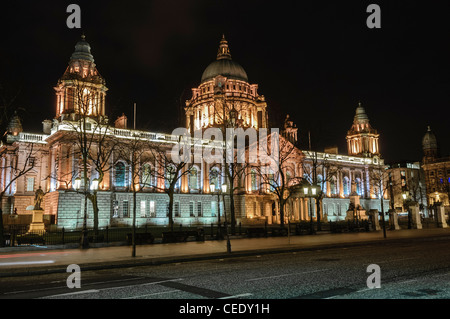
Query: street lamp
point(224, 191)
point(212, 188)
point(77, 183)
point(94, 184)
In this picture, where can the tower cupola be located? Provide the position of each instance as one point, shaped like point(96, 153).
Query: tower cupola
point(362, 139)
point(81, 89)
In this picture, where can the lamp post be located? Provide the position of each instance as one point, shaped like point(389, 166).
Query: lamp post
point(310, 191)
point(224, 191)
point(212, 188)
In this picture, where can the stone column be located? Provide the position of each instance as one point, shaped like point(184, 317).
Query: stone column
point(415, 215)
point(375, 219)
point(393, 220)
point(440, 215)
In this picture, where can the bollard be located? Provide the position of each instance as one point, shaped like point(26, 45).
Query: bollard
point(62, 235)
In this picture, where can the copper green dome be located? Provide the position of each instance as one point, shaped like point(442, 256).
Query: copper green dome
point(224, 66)
point(82, 51)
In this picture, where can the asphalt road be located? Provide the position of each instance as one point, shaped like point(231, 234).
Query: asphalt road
point(417, 270)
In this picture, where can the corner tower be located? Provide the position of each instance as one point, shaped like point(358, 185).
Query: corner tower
point(430, 146)
point(224, 86)
point(362, 139)
point(81, 89)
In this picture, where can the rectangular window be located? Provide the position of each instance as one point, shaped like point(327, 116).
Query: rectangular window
point(152, 208)
point(125, 208)
point(30, 184)
point(176, 208)
point(199, 209)
point(213, 208)
point(191, 209)
point(142, 208)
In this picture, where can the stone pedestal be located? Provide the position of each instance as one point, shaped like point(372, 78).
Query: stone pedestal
point(440, 216)
point(350, 215)
point(393, 220)
point(37, 222)
point(416, 223)
point(373, 213)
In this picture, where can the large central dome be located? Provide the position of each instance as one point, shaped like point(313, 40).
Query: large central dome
point(224, 66)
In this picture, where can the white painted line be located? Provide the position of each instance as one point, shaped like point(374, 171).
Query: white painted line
point(74, 293)
point(236, 296)
point(17, 263)
point(153, 294)
point(146, 284)
point(293, 274)
point(407, 281)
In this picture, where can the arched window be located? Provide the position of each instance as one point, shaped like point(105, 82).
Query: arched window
point(193, 178)
point(119, 174)
point(170, 175)
point(333, 189)
point(346, 186)
point(320, 183)
point(288, 177)
point(215, 177)
point(271, 181)
point(358, 186)
point(147, 176)
point(254, 180)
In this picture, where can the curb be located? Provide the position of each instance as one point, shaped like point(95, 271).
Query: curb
point(211, 256)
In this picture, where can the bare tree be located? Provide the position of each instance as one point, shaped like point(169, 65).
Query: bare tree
point(132, 151)
point(274, 175)
point(318, 170)
point(16, 170)
point(171, 165)
point(379, 182)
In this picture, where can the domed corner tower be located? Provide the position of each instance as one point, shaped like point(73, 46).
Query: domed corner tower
point(362, 139)
point(429, 146)
point(224, 86)
point(81, 90)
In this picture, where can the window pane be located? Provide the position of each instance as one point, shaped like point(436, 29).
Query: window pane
point(142, 208)
point(30, 184)
point(125, 208)
point(120, 175)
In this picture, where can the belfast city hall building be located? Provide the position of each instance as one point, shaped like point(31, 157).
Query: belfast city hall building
point(79, 152)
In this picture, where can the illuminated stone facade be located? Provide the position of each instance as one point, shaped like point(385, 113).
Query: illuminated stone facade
point(224, 87)
point(437, 171)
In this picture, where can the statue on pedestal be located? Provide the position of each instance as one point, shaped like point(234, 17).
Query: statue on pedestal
point(38, 197)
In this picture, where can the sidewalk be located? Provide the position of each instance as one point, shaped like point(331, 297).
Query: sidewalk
point(40, 260)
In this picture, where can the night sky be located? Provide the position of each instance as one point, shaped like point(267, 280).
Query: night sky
point(314, 61)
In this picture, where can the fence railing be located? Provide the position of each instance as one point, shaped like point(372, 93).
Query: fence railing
point(19, 235)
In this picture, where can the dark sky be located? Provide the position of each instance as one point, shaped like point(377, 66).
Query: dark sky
point(312, 60)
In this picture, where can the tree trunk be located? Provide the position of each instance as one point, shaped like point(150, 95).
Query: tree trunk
point(382, 217)
point(171, 209)
point(2, 242)
point(95, 209)
point(133, 236)
point(318, 201)
point(282, 212)
point(232, 212)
